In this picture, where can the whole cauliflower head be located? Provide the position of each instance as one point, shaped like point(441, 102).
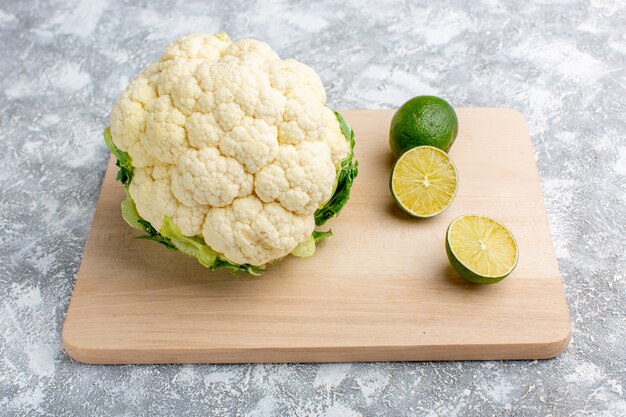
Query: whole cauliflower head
point(229, 148)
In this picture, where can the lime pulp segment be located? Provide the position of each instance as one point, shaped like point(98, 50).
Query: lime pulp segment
point(424, 181)
point(483, 246)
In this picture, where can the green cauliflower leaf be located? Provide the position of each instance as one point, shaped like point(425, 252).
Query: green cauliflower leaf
point(125, 174)
point(348, 172)
point(319, 236)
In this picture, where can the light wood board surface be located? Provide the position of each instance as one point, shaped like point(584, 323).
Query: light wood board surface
point(380, 289)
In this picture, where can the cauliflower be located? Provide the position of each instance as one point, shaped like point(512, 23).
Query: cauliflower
point(229, 154)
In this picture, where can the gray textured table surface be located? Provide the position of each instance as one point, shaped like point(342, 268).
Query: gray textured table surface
point(562, 65)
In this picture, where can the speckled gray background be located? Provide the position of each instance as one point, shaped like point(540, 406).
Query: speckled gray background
point(562, 63)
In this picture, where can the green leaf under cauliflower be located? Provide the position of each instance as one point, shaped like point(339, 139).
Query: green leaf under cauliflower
point(193, 246)
point(155, 236)
point(130, 214)
point(307, 248)
point(125, 174)
point(132, 217)
point(319, 236)
point(348, 172)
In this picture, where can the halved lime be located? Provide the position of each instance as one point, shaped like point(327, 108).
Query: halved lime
point(481, 249)
point(424, 181)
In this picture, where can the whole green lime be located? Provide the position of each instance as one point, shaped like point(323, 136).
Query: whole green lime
point(423, 121)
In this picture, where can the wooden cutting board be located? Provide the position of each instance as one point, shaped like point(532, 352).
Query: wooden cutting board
point(380, 289)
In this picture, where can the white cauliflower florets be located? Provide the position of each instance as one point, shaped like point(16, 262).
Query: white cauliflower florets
point(232, 143)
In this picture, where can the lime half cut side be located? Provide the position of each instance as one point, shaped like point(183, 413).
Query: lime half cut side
point(424, 181)
point(481, 249)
